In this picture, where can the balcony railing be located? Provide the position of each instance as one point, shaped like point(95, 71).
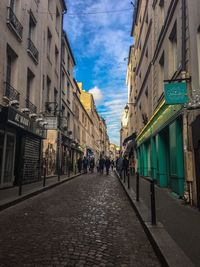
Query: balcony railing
point(51, 108)
point(31, 106)
point(10, 92)
point(33, 50)
point(14, 23)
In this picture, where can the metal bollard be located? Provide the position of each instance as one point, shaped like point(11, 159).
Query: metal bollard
point(44, 178)
point(153, 204)
point(137, 186)
point(128, 176)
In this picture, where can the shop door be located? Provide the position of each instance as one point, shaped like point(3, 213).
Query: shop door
point(196, 145)
point(7, 153)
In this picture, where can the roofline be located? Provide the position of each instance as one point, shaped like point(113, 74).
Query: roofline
point(64, 5)
point(67, 40)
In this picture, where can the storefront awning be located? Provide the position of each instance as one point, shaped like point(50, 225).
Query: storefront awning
point(131, 137)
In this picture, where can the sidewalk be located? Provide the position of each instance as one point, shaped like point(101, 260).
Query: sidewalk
point(181, 222)
point(10, 196)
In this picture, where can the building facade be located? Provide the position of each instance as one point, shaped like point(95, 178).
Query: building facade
point(161, 58)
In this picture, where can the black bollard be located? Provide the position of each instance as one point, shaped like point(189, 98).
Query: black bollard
point(153, 204)
point(137, 186)
point(44, 178)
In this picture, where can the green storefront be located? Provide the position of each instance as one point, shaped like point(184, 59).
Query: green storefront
point(160, 148)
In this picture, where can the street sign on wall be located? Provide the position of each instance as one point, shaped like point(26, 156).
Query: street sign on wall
point(176, 93)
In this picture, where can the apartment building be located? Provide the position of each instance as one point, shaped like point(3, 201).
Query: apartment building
point(160, 56)
point(166, 54)
point(100, 140)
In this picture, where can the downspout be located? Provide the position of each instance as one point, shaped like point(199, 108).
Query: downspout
point(59, 105)
point(188, 196)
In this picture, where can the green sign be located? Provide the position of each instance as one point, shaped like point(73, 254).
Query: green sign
point(176, 93)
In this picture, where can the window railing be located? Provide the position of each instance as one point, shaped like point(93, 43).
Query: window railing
point(33, 50)
point(51, 108)
point(31, 106)
point(13, 21)
point(10, 92)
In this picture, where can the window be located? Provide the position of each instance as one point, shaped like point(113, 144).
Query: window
point(173, 49)
point(68, 64)
point(13, 5)
point(49, 40)
point(11, 65)
point(68, 91)
point(56, 57)
point(30, 77)
point(48, 89)
point(161, 12)
point(57, 21)
point(161, 74)
point(32, 26)
point(55, 95)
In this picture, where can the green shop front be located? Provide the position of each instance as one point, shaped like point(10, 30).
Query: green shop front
point(160, 148)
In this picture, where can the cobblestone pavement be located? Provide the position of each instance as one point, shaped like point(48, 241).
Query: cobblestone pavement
point(87, 221)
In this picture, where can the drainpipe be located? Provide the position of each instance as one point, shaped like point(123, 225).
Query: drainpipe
point(59, 105)
point(188, 186)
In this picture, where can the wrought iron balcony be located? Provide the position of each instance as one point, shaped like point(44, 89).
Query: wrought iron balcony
point(32, 50)
point(14, 23)
point(31, 106)
point(51, 108)
point(10, 92)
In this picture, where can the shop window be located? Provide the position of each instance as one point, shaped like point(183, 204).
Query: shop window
point(9, 158)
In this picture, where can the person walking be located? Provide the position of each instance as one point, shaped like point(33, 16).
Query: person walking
point(85, 164)
point(119, 165)
point(92, 164)
point(101, 164)
point(79, 164)
point(132, 165)
point(125, 165)
point(107, 165)
point(112, 164)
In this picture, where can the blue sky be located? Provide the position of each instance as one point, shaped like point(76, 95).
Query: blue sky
point(100, 43)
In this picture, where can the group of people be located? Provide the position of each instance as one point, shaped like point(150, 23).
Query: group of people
point(122, 164)
point(88, 163)
point(125, 164)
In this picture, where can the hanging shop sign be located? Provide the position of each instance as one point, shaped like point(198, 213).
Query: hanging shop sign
point(176, 93)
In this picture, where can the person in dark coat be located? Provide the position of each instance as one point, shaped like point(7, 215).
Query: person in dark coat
point(85, 164)
point(125, 165)
point(79, 164)
point(101, 164)
point(92, 164)
point(107, 164)
point(112, 164)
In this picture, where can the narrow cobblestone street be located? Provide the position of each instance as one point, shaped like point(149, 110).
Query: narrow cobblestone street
point(87, 221)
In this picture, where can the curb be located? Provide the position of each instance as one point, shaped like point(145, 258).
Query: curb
point(167, 250)
point(34, 193)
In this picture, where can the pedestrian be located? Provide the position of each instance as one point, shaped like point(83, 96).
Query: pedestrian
point(92, 164)
point(107, 165)
point(101, 164)
point(132, 164)
point(119, 165)
point(79, 164)
point(125, 165)
point(85, 164)
point(97, 165)
point(112, 164)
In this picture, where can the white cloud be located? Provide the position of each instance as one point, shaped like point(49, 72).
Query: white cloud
point(97, 94)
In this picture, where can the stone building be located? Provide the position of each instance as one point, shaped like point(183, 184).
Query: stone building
point(163, 82)
point(30, 33)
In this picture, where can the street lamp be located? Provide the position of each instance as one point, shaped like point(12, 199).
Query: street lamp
point(126, 109)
